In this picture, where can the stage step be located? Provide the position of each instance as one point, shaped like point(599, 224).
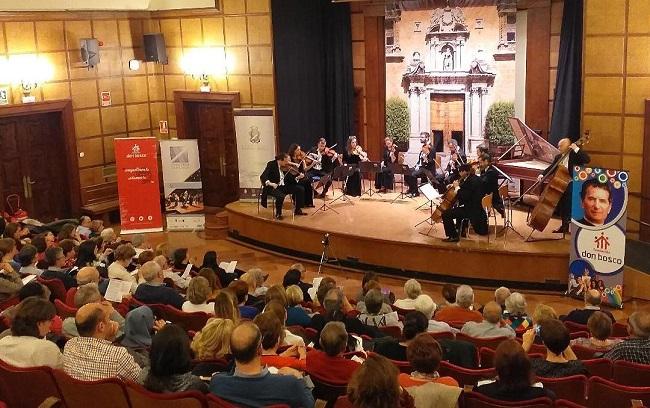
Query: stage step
point(216, 224)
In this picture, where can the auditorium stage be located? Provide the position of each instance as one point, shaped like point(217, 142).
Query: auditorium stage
point(373, 234)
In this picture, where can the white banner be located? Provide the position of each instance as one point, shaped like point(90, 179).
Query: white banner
point(182, 184)
point(255, 130)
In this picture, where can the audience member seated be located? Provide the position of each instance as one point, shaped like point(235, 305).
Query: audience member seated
point(171, 363)
point(295, 276)
point(197, 296)
point(138, 326)
point(296, 314)
point(600, 329)
point(449, 294)
point(593, 300)
point(515, 377)
point(286, 387)
point(10, 282)
point(213, 281)
point(280, 311)
point(14, 231)
point(69, 248)
point(92, 355)
point(240, 289)
point(541, 314)
point(153, 290)
point(374, 315)
point(89, 274)
point(260, 277)
point(69, 231)
point(161, 260)
point(39, 243)
point(328, 364)
point(491, 326)
point(412, 289)
point(87, 254)
point(460, 311)
point(500, 295)
point(210, 261)
point(333, 304)
point(32, 288)
point(251, 298)
point(560, 359)
point(375, 385)
point(225, 306)
point(27, 260)
point(181, 259)
point(426, 305)
point(27, 346)
point(384, 306)
point(83, 229)
point(515, 314)
point(56, 267)
point(414, 324)
point(89, 293)
point(272, 336)
point(424, 354)
point(636, 348)
point(140, 244)
point(212, 342)
point(117, 270)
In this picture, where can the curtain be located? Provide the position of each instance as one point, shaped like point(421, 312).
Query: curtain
point(565, 121)
point(312, 52)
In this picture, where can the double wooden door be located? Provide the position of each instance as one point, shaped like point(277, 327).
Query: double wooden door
point(448, 117)
point(33, 165)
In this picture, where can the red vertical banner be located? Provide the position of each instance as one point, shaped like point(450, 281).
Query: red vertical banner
point(136, 161)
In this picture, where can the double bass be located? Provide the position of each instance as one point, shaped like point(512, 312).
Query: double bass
point(559, 177)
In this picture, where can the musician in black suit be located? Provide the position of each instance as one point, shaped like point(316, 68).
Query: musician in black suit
point(490, 178)
point(322, 171)
point(278, 184)
point(452, 144)
point(469, 197)
point(424, 169)
point(576, 157)
point(385, 179)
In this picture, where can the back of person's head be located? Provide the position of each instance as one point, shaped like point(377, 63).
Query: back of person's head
point(412, 288)
point(464, 296)
point(108, 235)
point(424, 353)
point(32, 317)
point(27, 255)
point(178, 257)
point(258, 276)
point(66, 231)
point(138, 328)
point(33, 289)
point(369, 276)
point(292, 277)
point(52, 254)
point(240, 289)
point(543, 312)
point(372, 284)
point(162, 261)
point(210, 260)
point(294, 295)
point(68, 245)
point(414, 324)
point(513, 366)
point(213, 341)
point(425, 305)
point(170, 352)
point(333, 301)
point(593, 297)
point(449, 292)
point(600, 325)
point(137, 240)
point(639, 324)
point(39, 242)
point(146, 256)
point(299, 267)
point(86, 275)
point(150, 271)
point(225, 305)
point(124, 252)
point(270, 328)
point(555, 336)
point(94, 319)
point(86, 253)
point(325, 285)
point(212, 278)
point(198, 290)
point(501, 294)
point(85, 294)
point(373, 300)
point(276, 293)
point(7, 245)
point(278, 309)
point(374, 384)
point(245, 342)
point(333, 338)
point(250, 281)
point(492, 312)
point(516, 304)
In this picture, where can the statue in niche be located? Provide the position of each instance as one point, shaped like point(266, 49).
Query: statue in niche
point(447, 60)
point(416, 66)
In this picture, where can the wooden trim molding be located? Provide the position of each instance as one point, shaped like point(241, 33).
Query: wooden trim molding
point(375, 62)
point(644, 234)
point(181, 97)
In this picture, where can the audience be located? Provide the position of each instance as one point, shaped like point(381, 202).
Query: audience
point(384, 306)
point(69, 248)
point(153, 290)
point(251, 282)
point(124, 254)
point(424, 354)
point(593, 300)
point(374, 315)
point(171, 368)
point(179, 281)
point(27, 346)
point(295, 276)
point(460, 312)
point(139, 324)
point(272, 336)
point(280, 311)
point(636, 348)
point(449, 294)
point(600, 329)
point(211, 262)
point(240, 289)
point(296, 314)
point(286, 387)
point(328, 363)
point(211, 343)
point(491, 326)
point(412, 289)
point(10, 282)
point(56, 267)
point(414, 324)
point(225, 306)
point(213, 281)
point(89, 274)
point(89, 293)
point(560, 360)
point(425, 305)
point(500, 295)
point(515, 314)
point(32, 288)
point(197, 296)
point(259, 277)
point(92, 355)
point(375, 385)
point(27, 258)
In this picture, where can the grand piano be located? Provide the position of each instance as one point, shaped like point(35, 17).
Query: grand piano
point(531, 154)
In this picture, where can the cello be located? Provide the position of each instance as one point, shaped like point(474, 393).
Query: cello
point(560, 177)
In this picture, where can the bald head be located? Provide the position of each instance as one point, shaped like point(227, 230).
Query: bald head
point(151, 272)
point(593, 297)
point(492, 312)
point(245, 342)
point(501, 294)
point(86, 275)
point(563, 145)
point(93, 320)
point(639, 324)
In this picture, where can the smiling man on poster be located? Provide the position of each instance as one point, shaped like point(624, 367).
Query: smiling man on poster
point(596, 202)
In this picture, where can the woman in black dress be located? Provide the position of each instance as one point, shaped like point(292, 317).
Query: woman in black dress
point(296, 155)
point(353, 155)
point(385, 179)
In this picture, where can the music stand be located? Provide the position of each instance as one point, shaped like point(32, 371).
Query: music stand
point(507, 221)
point(404, 170)
point(371, 168)
point(432, 195)
point(341, 172)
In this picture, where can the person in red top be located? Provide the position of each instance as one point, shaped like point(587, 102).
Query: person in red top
point(328, 365)
point(272, 336)
point(460, 312)
point(424, 354)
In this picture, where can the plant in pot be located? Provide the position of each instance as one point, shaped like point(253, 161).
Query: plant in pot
point(497, 129)
point(398, 122)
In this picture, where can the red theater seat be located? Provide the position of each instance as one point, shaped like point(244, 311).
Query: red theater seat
point(56, 287)
point(108, 393)
point(465, 376)
point(476, 400)
point(600, 367)
point(489, 342)
point(607, 394)
point(632, 374)
point(139, 397)
point(27, 387)
point(572, 388)
point(64, 310)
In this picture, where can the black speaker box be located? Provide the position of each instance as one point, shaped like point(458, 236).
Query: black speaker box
point(89, 51)
point(154, 48)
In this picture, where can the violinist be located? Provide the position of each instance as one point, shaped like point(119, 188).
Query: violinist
point(424, 169)
point(279, 182)
point(469, 196)
point(577, 157)
point(297, 157)
point(385, 179)
point(450, 173)
point(325, 160)
point(490, 179)
point(452, 144)
point(353, 155)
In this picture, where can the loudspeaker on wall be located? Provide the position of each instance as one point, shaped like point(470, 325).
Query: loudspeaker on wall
point(154, 48)
point(89, 51)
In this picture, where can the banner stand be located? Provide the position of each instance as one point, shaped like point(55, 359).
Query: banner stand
point(255, 132)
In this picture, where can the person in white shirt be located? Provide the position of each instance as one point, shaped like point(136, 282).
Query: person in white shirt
point(427, 306)
point(413, 289)
point(168, 273)
point(197, 296)
point(117, 270)
point(491, 326)
point(373, 315)
point(27, 346)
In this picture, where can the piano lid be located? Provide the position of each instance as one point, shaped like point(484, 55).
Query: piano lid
point(532, 145)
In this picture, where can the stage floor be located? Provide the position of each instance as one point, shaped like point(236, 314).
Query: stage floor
point(372, 233)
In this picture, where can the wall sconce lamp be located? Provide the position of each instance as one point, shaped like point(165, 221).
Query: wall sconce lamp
point(27, 70)
point(201, 63)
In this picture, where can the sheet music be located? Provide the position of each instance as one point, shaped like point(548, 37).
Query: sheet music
point(117, 289)
point(28, 279)
point(186, 272)
point(229, 267)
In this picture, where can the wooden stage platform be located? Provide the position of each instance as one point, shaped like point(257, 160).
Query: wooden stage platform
point(373, 234)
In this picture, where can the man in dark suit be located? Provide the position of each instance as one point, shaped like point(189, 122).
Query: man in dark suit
point(424, 169)
point(577, 157)
point(490, 178)
point(278, 184)
point(593, 299)
point(469, 197)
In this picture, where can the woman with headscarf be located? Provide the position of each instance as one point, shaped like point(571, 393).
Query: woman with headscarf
point(138, 329)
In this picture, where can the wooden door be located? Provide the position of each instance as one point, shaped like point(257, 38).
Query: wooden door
point(212, 125)
point(448, 116)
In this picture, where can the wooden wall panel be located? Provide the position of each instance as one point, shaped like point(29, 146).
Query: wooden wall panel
point(375, 78)
point(537, 67)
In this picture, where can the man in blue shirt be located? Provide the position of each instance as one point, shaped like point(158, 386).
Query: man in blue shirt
point(153, 290)
point(253, 385)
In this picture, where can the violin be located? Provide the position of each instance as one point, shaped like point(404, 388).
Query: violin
point(359, 152)
point(291, 167)
point(329, 151)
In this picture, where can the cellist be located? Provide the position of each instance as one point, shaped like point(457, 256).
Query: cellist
point(469, 195)
point(577, 157)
